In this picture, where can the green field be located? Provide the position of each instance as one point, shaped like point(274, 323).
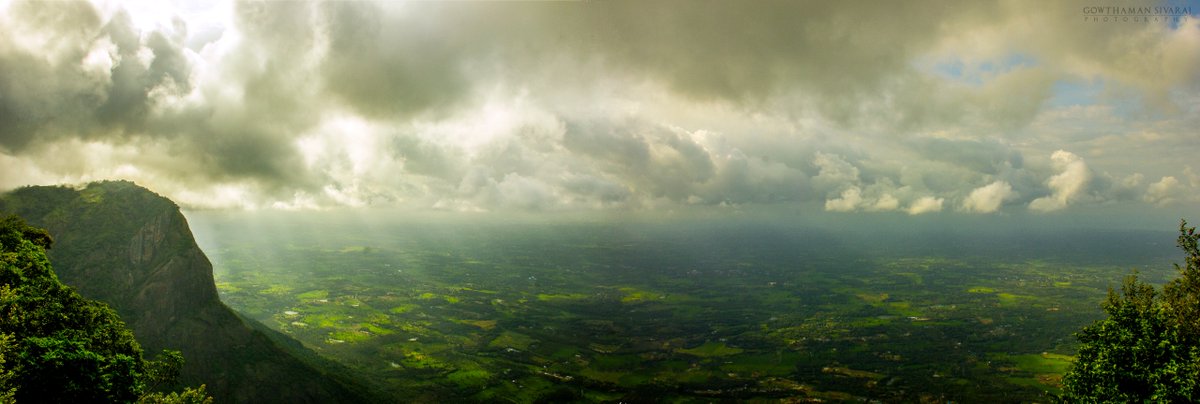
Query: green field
point(599, 312)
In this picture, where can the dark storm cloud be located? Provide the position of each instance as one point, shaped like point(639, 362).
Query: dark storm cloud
point(397, 59)
point(88, 78)
point(45, 91)
point(128, 100)
point(986, 157)
point(386, 68)
point(245, 126)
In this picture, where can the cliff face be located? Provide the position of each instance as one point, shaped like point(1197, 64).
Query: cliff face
point(124, 245)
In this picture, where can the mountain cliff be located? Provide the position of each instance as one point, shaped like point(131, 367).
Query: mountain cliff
point(124, 245)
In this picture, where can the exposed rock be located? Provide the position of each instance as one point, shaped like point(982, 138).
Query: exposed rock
point(124, 245)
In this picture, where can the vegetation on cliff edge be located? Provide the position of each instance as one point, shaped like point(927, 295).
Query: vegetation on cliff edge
point(56, 346)
point(1148, 349)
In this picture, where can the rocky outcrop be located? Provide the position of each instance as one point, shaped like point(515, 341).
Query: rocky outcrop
point(126, 246)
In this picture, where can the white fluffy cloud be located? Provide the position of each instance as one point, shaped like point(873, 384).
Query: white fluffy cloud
point(1163, 192)
point(926, 204)
point(885, 203)
point(989, 198)
point(849, 201)
point(1067, 186)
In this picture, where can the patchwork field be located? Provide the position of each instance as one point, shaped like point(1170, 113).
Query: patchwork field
point(526, 312)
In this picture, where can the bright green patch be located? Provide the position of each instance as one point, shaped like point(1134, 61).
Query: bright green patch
point(561, 297)
point(431, 296)
point(486, 325)
point(418, 360)
point(313, 295)
point(404, 308)
point(845, 371)
point(773, 364)
point(375, 329)
point(1010, 299)
point(509, 339)
point(276, 290)
point(350, 301)
point(903, 309)
point(711, 349)
point(484, 291)
point(349, 336)
point(324, 320)
point(470, 379)
point(1042, 363)
point(634, 295)
point(873, 297)
point(378, 318)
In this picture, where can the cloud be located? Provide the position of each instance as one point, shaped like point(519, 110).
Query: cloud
point(856, 195)
point(833, 172)
point(45, 90)
point(981, 156)
point(414, 65)
point(518, 191)
point(989, 198)
point(609, 105)
point(849, 201)
point(886, 202)
point(1067, 186)
point(926, 204)
point(1162, 192)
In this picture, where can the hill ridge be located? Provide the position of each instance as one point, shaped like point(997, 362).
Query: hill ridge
point(131, 248)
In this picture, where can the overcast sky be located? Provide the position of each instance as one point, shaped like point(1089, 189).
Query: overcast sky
point(948, 108)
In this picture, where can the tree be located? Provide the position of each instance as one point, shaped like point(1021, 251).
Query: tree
point(187, 396)
point(1182, 295)
point(55, 345)
point(1148, 348)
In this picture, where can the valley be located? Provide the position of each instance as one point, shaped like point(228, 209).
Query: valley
point(690, 311)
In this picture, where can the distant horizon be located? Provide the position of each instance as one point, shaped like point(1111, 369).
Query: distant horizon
point(1108, 217)
point(1127, 216)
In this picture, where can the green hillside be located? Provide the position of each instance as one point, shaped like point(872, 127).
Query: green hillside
point(130, 248)
point(57, 346)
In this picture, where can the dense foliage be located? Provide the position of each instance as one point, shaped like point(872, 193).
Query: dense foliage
point(55, 345)
point(1148, 349)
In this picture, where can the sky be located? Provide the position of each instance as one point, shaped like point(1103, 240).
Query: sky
point(847, 107)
